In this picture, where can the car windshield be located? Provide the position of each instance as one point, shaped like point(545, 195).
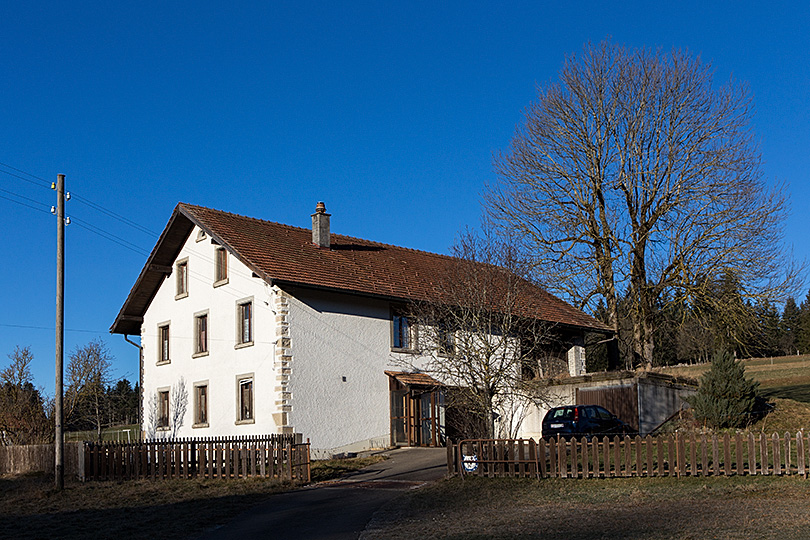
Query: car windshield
point(563, 414)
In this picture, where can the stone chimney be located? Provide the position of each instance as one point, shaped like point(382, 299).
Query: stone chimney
point(320, 226)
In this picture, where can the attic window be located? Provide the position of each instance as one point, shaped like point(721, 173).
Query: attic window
point(201, 235)
point(182, 279)
point(220, 267)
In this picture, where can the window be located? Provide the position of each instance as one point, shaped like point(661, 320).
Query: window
point(402, 337)
point(221, 267)
point(201, 334)
point(163, 344)
point(163, 409)
point(244, 315)
point(182, 279)
point(201, 404)
point(201, 235)
point(244, 384)
point(446, 340)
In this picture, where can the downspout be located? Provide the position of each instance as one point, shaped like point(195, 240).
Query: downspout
point(140, 380)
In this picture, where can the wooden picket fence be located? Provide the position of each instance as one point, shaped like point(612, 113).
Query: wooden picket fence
point(281, 457)
point(676, 455)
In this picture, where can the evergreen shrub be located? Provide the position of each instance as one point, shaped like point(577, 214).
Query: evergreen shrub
point(726, 398)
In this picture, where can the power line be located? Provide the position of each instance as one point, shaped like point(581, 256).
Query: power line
point(51, 328)
point(113, 215)
point(24, 172)
point(26, 205)
point(109, 236)
point(46, 185)
point(25, 198)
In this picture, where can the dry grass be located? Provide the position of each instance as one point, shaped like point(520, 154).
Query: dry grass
point(783, 376)
point(31, 508)
point(650, 508)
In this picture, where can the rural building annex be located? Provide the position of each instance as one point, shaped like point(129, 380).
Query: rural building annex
point(252, 327)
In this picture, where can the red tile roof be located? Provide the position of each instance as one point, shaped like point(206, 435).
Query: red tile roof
point(283, 254)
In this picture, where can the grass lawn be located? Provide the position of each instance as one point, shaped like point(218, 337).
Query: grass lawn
point(649, 508)
point(30, 508)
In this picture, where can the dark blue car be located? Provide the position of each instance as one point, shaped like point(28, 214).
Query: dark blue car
point(582, 421)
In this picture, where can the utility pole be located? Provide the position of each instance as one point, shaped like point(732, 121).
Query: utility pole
point(59, 442)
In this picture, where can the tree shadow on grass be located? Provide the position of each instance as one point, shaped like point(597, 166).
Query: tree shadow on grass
point(187, 519)
point(799, 392)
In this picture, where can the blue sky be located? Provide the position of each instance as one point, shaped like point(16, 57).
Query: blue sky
point(390, 113)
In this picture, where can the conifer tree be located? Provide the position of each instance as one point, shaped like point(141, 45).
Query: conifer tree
point(725, 398)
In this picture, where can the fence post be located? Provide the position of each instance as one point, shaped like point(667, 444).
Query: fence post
point(81, 463)
point(309, 464)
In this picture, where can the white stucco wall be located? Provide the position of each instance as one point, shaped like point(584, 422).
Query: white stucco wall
point(335, 336)
point(224, 362)
point(553, 396)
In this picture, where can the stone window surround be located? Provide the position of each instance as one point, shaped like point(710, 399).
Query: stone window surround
point(160, 327)
point(239, 344)
point(181, 268)
point(197, 404)
point(239, 379)
point(197, 315)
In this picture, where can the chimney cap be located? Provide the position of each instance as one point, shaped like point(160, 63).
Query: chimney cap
point(320, 208)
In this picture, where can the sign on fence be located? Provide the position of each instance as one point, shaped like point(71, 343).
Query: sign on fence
point(664, 455)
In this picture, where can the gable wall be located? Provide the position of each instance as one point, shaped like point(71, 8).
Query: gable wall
point(334, 336)
point(224, 361)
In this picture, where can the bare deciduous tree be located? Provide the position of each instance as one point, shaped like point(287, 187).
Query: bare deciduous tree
point(478, 333)
point(635, 175)
point(179, 403)
point(160, 427)
point(88, 374)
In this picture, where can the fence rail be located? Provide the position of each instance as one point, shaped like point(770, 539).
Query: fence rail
point(665, 455)
point(283, 457)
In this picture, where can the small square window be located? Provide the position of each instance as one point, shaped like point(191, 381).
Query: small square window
point(163, 344)
point(181, 270)
point(200, 405)
point(221, 266)
point(201, 334)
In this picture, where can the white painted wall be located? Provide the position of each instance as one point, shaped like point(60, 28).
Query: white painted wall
point(223, 362)
point(335, 336)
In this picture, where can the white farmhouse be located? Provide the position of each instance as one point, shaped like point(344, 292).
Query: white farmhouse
point(251, 327)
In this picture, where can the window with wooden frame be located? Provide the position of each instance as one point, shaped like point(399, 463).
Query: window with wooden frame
point(163, 409)
point(181, 278)
point(244, 323)
point(163, 344)
point(402, 331)
point(200, 405)
point(244, 389)
point(220, 266)
point(201, 334)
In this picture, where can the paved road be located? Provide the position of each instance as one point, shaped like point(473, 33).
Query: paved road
point(337, 510)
